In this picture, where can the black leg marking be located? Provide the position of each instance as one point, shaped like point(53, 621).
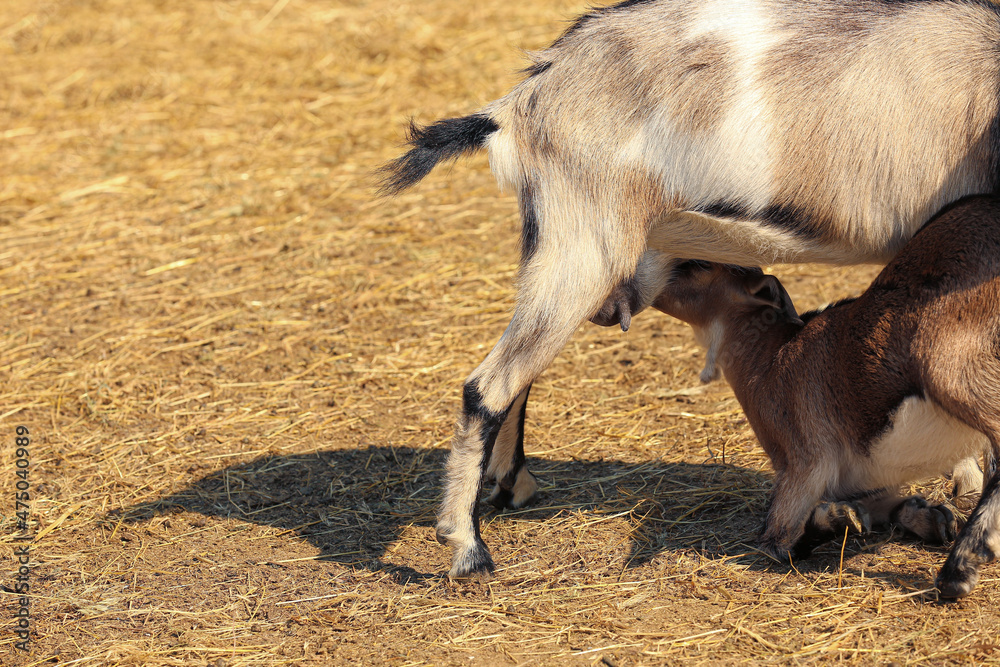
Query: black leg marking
point(474, 558)
point(529, 223)
point(976, 545)
point(480, 563)
point(508, 481)
point(502, 498)
point(472, 406)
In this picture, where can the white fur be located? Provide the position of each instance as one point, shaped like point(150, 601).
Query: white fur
point(922, 441)
point(711, 339)
point(504, 161)
point(743, 143)
point(968, 477)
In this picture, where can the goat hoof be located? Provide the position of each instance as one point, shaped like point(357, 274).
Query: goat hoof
point(934, 524)
point(957, 586)
point(779, 552)
point(960, 572)
point(948, 524)
point(836, 516)
point(473, 564)
point(501, 498)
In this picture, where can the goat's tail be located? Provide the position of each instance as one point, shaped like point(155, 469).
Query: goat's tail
point(444, 140)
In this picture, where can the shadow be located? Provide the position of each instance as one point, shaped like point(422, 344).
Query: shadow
point(353, 504)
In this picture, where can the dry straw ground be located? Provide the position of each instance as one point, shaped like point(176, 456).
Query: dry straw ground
point(240, 373)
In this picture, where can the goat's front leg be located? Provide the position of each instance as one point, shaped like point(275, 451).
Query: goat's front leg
point(830, 520)
point(797, 493)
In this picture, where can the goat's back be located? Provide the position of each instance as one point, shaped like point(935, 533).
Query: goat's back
point(958, 250)
point(952, 267)
point(842, 125)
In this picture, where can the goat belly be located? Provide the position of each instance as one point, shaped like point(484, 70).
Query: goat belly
point(921, 441)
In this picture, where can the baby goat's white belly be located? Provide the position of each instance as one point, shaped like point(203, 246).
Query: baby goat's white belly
point(922, 441)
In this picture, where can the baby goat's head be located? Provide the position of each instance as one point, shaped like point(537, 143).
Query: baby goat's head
point(713, 297)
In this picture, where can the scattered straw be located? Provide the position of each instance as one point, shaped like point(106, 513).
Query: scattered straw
point(241, 374)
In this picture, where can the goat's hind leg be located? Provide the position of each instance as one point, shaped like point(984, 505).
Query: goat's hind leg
point(979, 541)
point(934, 524)
point(515, 485)
point(556, 294)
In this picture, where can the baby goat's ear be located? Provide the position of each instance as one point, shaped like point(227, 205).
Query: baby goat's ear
point(769, 291)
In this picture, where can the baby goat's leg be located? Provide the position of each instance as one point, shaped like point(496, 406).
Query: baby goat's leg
point(515, 485)
point(564, 283)
point(796, 494)
point(934, 524)
point(968, 477)
point(830, 520)
point(979, 541)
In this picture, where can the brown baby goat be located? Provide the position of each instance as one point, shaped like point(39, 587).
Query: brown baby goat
point(871, 393)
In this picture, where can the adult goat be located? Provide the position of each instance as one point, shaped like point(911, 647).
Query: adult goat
point(739, 131)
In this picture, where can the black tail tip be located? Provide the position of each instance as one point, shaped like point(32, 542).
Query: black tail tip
point(404, 171)
point(444, 140)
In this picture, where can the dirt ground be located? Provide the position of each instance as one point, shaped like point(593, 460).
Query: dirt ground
point(240, 372)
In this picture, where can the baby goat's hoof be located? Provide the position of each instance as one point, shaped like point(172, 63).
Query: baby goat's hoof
point(934, 524)
point(834, 517)
point(829, 521)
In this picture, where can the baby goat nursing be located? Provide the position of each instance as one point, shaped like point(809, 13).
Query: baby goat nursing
point(740, 131)
point(872, 393)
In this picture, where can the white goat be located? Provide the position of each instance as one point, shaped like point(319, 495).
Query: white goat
point(740, 131)
point(871, 393)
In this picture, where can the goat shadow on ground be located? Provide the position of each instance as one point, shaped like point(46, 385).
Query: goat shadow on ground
point(353, 503)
